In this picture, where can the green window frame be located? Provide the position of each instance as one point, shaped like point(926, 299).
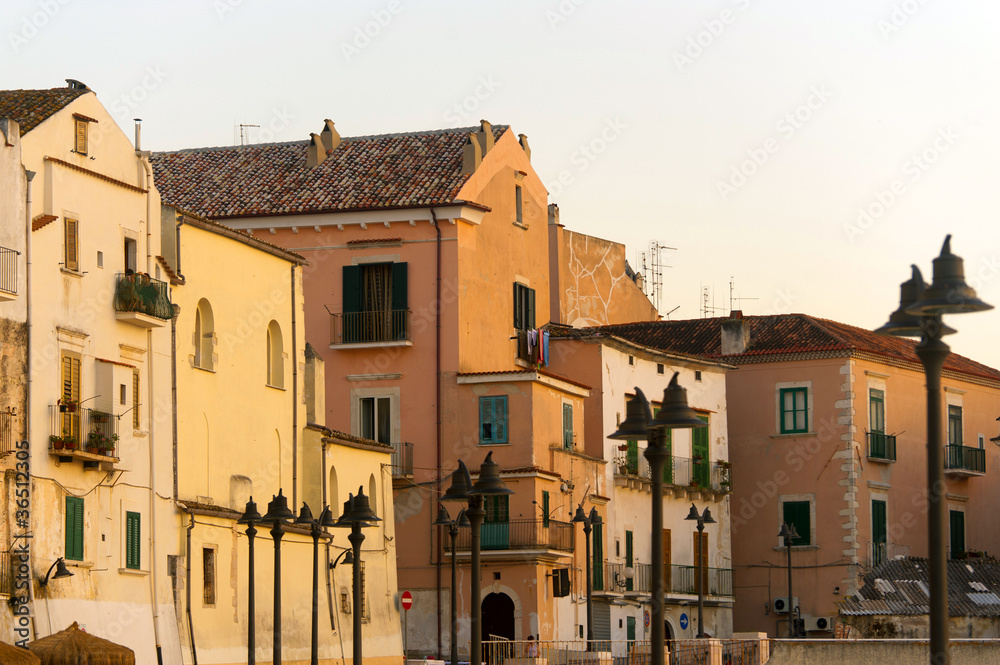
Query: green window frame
point(876, 411)
point(493, 420)
point(567, 411)
point(524, 307)
point(954, 425)
point(497, 509)
point(133, 547)
point(74, 528)
point(956, 522)
point(879, 532)
point(794, 410)
point(798, 513)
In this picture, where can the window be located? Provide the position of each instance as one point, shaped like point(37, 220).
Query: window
point(133, 530)
point(493, 420)
point(204, 336)
point(876, 411)
point(374, 303)
point(495, 532)
point(879, 534)
point(128, 256)
point(74, 528)
point(80, 144)
point(597, 580)
point(793, 410)
point(954, 425)
point(519, 204)
point(697, 375)
point(497, 509)
point(376, 418)
point(135, 400)
point(567, 426)
point(799, 515)
point(208, 575)
point(659, 368)
point(275, 356)
point(628, 558)
point(702, 471)
point(524, 307)
point(71, 256)
point(545, 509)
point(956, 519)
point(70, 393)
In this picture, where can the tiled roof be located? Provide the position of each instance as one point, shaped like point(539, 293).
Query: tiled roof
point(780, 335)
point(362, 173)
point(236, 234)
point(899, 586)
point(31, 107)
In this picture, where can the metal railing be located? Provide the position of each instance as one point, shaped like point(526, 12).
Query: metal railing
point(965, 458)
point(390, 325)
point(676, 579)
point(8, 433)
point(87, 430)
point(402, 460)
point(519, 535)
point(881, 446)
point(8, 270)
point(501, 651)
point(679, 471)
point(140, 293)
point(684, 579)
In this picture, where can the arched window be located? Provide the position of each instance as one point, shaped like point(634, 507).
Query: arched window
point(372, 494)
point(275, 356)
point(333, 493)
point(204, 336)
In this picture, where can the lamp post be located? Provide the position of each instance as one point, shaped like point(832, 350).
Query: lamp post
point(462, 489)
point(702, 519)
point(444, 519)
point(789, 533)
point(588, 522)
point(279, 515)
point(358, 514)
point(640, 426)
point(59, 565)
point(316, 527)
point(919, 315)
point(251, 517)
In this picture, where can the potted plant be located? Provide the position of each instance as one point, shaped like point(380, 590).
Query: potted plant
point(99, 416)
point(69, 442)
point(95, 442)
point(56, 442)
point(109, 445)
point(67, 405)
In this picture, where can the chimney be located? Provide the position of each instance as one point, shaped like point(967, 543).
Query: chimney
point(330, 136)
point(472, 155)
point(316, 152)
point(138, 134)
point(735, 334)
point(523, 140)
point(553, 213)
point(11, 131)
point(485, 137)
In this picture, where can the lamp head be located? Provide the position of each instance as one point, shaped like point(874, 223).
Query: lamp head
point(461, 483)
point(326, 518)
point(948, 293)
point(489, 482)
point(903, 324)
point(250, 515)
point(61, 571)
point(360, 511)
point(595, 517)
point(443, 518)
point(277, 510)
point(635, 427)
point(580, 517)
point(305, 517)
point(707, 517)
point(693, 513)
point(675, 412)
point(463, 520)
point(788, 531)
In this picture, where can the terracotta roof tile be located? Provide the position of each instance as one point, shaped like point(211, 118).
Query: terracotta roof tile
point(32, 107)
point(362, 173)
point(780, 335)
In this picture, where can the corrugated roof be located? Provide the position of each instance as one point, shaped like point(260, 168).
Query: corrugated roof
point(899, 587)
point(32, 107)
point(362, 173)
point(780, 335)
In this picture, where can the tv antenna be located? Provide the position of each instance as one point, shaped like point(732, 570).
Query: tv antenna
point(652, 268)
point(735, 300)
point(708, 310)
point(245, 135)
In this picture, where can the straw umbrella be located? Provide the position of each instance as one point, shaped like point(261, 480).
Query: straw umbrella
point(75, 647)
point(10, 655)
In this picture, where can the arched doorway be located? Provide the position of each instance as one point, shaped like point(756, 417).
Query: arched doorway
point(497, 622)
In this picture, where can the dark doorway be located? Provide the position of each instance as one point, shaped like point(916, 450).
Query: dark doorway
point(497, 623)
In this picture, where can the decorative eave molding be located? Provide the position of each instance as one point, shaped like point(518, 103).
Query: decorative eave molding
point(100, 176)
point(536, 377)
point(383, 218)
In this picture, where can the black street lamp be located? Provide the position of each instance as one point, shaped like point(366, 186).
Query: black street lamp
point(588, 522)
point(640, 426)
point(462, 489)
point(279, 515)
point(789, 533)
point(444, 519)
point(316, 527)
point(358, 514)
point(702, 519)
point(251, 517)
point(919, 315)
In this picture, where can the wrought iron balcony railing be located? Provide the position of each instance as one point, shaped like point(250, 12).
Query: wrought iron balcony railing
point(8, 270)
point(676, 579)
point(370, 327)
point(965, 459)
point(689, 472)
point(86, 430)
point(716, 581)
point(140, 293)
point(8, 431)
point(520, 535)
point(402, 460)
point(881, 446)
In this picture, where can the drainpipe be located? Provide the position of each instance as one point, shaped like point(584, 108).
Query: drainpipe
point(187, 584)
point(27, 350)
point(173, 391)
point(437, 406)
point(295, 402)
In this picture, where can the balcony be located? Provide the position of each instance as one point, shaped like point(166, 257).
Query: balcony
point(519, 535)
point(6, 575)
point(88, 435)
point(964, 461)
point(365, 329)
point(681, 474)
point(677, 579)
point(8, 273)
point(684, 579)
point(142, 300)
point(881, 447)
point(402, 460)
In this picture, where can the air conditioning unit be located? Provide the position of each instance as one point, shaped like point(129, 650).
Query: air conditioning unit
point(781, 605)
point(819, 624)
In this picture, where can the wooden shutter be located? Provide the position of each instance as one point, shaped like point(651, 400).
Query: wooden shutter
point(352, 289)
point(486, 429)
point(597, 580)
point(399, 286)
point(628, 558)
point(667, 569)
point(957, 524)
point(72, 260)
point(567, 426)
point(500, 419)
point(133, 530)
point(701, 557)
point(530, 310)
point(797, 513)
point(878, 532)
point(81, 137)
point(74, 528)
point(135, 400)
point(70, 393)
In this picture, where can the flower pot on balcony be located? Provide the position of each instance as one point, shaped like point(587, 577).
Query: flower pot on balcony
point(57, 442)
point(69, 444)
point(99, 416)
point(69, 406)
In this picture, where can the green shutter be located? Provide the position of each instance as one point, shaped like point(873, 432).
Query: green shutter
point(530, 313)
point(878, 532)
point(957, 523)
point(399, 286)
point(699, 448)
point(74, 528)
point(545, 509)
point(133, 532)
point(632, 458)
point(597, 581)
point(486, 420)
point(352, 289)
point(500, 419)
point(628, 557)
point(797, 513)
point(567, 426)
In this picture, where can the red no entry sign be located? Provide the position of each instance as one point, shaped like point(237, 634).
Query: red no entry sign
point(406, 600)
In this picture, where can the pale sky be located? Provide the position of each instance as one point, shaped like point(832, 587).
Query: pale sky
point(747, 134)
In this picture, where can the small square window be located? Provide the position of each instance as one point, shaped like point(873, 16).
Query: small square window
point(80, 145)
point(100, 259)
point(122, 394)
point(659, 368)
point(697, 375)
point(631, 360)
